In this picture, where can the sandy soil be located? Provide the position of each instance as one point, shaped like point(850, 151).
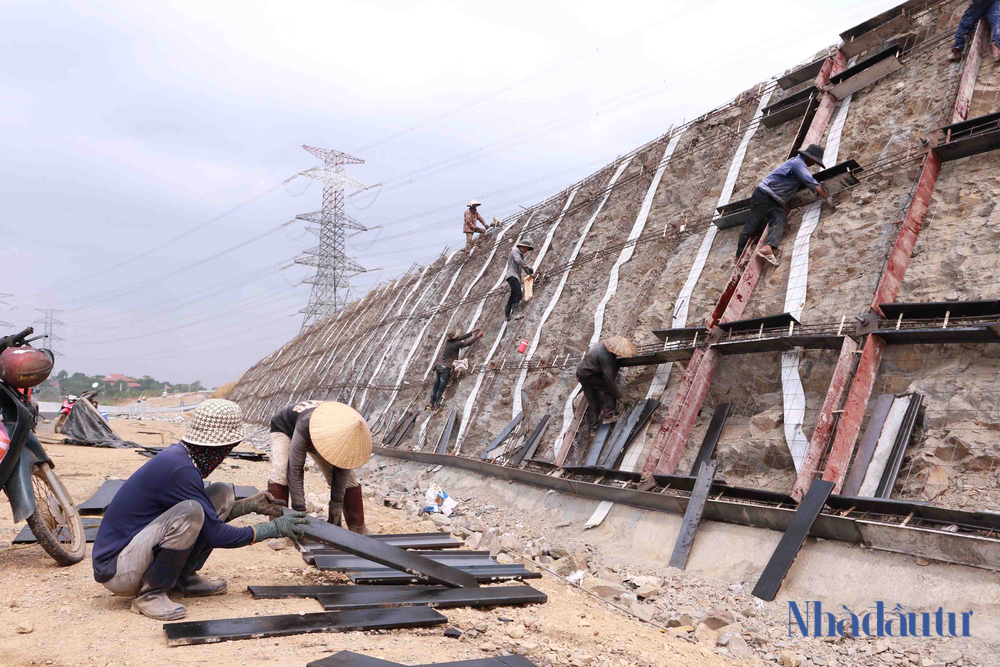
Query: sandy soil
point(76, 622)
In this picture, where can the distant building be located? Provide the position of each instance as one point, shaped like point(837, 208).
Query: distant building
point(122, 381)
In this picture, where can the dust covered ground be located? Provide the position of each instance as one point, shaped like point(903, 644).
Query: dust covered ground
point(51, 615)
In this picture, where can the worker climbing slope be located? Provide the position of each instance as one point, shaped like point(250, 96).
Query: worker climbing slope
point(769, 202)
point(515, 264)
point(976, 10)
point(471, 226)
point(163, 523)
point(446, 362)
point(596, 374)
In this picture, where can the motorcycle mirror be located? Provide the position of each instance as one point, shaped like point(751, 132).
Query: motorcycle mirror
point(95, 385)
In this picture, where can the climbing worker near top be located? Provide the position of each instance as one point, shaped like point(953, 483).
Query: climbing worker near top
point(471, 226)
point(596, 373)
point(515, 263)
point(338, 440)
point(163, 523)
point(446, 362)
point(976, 10)
point(769, 202)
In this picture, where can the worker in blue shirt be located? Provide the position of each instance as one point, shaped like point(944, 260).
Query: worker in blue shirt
point(769, 202)
point(163, 523)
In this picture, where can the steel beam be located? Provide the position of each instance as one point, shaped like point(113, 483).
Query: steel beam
point(669, 420)
point(973, 61)
point(692, 516)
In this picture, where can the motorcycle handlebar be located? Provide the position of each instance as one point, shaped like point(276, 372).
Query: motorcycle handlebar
point(19, 338)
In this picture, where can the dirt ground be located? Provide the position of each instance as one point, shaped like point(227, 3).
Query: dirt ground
point(51, 615)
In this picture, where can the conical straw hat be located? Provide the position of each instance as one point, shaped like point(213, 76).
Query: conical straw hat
point(340, 435)
point(620, 346)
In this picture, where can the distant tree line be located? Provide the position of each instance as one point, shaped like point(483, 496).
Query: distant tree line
point(62, 383)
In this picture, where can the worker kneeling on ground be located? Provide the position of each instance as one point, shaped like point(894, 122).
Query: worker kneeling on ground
point(446, 362)
point(163, 523)
point(769, 202)
point(596, 373)
point(515, 264)
point(293, 434)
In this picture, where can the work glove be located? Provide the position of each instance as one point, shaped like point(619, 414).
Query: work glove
point(336, 510)
point(259, 503)
point(283, 526)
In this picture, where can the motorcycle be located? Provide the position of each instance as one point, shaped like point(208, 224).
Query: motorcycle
point(27, 474)
point(67, 406)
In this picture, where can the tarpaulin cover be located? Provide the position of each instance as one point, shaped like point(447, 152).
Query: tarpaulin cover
point(85, 426)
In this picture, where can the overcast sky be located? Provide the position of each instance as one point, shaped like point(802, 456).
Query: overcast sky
point(129, 124)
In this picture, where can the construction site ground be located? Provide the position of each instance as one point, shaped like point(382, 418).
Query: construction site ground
point(52, 615)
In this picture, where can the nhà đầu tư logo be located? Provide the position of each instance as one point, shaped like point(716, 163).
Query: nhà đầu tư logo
point(810, 620)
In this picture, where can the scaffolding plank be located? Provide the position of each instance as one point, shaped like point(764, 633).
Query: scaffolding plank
point(802, 74)
point(733, 214)
point(938, 310)
point(386, 554)
point(227, 629)
point(375, 597)
point(481, 575)
point(343, 562)
point(711, 438)
point(866, 449)
point(692, 516)
point(866, 72)
point(874, 31)
point(97, 503)
point(786, 109)
point(349, 659)
point(792, 540)
point(445, 439)
point(835, 179)
point(531, 444)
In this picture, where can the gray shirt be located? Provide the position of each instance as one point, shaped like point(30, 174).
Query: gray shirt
point(787, 179)
point(515, 262)
point(302, 445)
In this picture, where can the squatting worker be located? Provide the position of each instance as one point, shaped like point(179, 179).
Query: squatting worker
point(470, 225)
point(976, 10)
point(769, 202)
point(515, 264)
point(596, 374)
point(446, 362)
point(338, 440)
point(163, 523)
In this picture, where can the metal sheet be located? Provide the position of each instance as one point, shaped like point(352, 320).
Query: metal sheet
point(938, 336)
point(682, 332)
point(949, 547)
point(692, 517)
point(788, 547)
point(444, 441)
point(386, 554)
point(504, 434)
point(711, 438)
point(788, 108)
point(90, 527)
point(642, 412)
point(883, 448)
point(888, 481)
point(349, 659)
point(887, 62)
point(874, 32)
point(531, 444)
point(835, 179)
point(594, 451)
point(403, 431)
point(481, 575)
point(856, 474)
point(938, 309)
point(801, 75)
point(755, 323)
point(99, 502)
point(375, 597)
point(227, 629)
point(342, 562)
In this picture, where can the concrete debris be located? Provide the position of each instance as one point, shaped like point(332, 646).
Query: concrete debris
point(25, 628)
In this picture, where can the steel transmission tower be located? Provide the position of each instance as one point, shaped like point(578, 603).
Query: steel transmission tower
point(49, 322)
point(5, 325)
point(330, 288)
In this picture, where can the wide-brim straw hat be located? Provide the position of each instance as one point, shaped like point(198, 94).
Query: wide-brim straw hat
point(216, 423)
point(525, 243)
point(620, 346)
point(474, 203)
point(340, 435)
point(814, 153)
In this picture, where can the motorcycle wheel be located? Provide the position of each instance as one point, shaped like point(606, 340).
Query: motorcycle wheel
point(60, 420)
point(56, 522)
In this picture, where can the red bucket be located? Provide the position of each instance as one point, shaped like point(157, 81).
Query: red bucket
point(522, 346)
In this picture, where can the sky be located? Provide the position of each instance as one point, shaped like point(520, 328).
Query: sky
point(150, 149)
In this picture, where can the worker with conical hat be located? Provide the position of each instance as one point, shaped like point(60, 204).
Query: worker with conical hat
point(515, 264)
point(338, 440)
point(471, 224)
point(163, 523)
point(596, 374)
point(769, 202)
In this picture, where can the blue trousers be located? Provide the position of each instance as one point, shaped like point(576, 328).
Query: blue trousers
point(977, 10)
point(443, 374)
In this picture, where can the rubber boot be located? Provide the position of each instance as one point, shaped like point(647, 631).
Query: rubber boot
point(190, 584)
point(161, 575)
point(279, 491)
point(354, 510)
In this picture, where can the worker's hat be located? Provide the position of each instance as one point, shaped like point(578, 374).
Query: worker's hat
point(216, 423)
point(473, 204)
point(340, 435)
point(525, 243)
point(814, 153)
point(620, 346)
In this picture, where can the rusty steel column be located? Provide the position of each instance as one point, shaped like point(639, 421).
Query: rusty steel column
point(653, 459)
point(824, 425)
point(673, 434)
point(842, 448)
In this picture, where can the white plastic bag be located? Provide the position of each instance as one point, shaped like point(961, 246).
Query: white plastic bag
point(436, 500)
